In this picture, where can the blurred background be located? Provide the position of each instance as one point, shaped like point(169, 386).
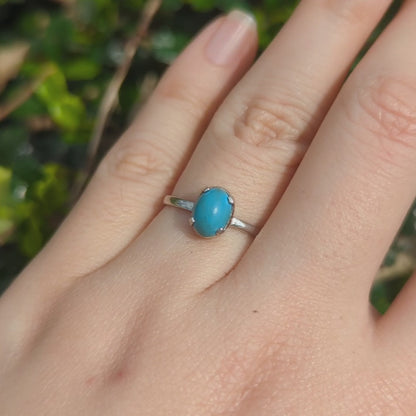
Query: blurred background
point(73, 73)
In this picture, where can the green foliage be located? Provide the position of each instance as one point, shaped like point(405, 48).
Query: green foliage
point(65, 109)
point(75, 48)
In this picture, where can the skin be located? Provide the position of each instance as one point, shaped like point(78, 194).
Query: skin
point(127, 312)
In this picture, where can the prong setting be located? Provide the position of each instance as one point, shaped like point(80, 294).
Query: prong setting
point(191, 221)
point(220, 231)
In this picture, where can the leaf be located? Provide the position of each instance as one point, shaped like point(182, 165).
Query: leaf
point(81, 70)
point(5, 176)
point(53, 87)
point(66, 110)
point(31, 240)
point(51, 192)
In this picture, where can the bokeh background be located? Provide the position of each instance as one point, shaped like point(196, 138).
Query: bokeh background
point(58, 60)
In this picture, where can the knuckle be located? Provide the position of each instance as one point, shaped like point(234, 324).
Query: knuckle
point(264, 122)
point(387, 111)
point(139, 162)
point(280, 127)
point(190, 97)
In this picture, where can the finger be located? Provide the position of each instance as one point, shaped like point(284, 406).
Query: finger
point(259, 135)
point(332, 228)
point(125, 192)
point(127, 189)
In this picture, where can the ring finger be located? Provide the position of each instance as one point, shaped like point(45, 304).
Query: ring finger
point(125, 192)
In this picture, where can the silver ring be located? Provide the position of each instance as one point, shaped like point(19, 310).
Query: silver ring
point(212, 213)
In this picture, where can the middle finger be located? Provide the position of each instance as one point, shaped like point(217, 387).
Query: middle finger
point(260, 133)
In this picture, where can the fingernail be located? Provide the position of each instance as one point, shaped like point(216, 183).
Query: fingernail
point(230, 39)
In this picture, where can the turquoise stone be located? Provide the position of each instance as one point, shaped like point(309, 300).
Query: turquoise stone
point(212, 212)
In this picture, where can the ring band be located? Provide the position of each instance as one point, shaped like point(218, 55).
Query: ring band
point(212, 213)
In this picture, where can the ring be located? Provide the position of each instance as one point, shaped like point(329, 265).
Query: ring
point(212, 213)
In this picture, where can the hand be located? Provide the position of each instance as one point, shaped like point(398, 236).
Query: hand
point(128, 312)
